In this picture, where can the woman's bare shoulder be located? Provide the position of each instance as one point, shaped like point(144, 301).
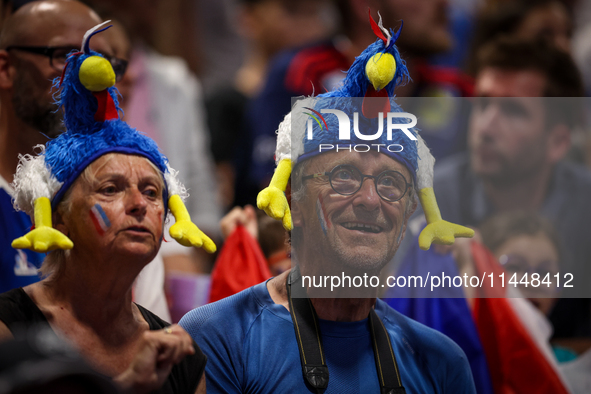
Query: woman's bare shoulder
point(5, 333)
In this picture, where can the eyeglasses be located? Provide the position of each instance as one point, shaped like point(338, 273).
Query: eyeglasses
point(119, 66)
point(346, 180)
point(58, 57)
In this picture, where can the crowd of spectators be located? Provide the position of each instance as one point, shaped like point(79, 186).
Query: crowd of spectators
point(210, 81)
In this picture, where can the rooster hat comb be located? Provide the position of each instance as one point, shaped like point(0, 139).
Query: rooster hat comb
point(91, 115)
point(374, 74)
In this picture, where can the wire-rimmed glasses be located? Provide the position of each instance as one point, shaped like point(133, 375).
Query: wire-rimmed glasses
point(347, 180)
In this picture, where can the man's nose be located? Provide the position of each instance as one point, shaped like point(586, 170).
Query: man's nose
point(487, 121)
point(367, 196)
point(136, 202)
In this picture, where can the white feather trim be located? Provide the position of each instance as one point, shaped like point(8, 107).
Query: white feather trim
point(283, 149)
point(426, 161)
point(292, 131)
point(386, 32)
point(90, 31)
point(33, 180)
point(175, 186)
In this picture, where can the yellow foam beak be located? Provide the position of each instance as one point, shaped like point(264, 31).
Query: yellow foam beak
point(96, 74)
point(380, 70)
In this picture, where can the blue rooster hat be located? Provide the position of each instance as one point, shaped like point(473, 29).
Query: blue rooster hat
point(356, 85)
point(91, 116)
point(93, 128)
point(366, 91)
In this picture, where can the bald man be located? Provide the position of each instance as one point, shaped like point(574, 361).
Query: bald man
point(33, 45)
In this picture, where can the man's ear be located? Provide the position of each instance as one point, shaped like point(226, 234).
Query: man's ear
point(58, 223)
point(6, 70)
point(558, 143)
point(415, 204)
point(296, 214)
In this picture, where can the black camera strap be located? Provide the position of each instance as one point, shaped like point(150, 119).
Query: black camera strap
point(314, 368)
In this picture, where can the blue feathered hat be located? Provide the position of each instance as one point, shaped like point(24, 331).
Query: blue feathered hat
point(366, 96)
point(367, 90)
point(88, 99)
point(93, 127)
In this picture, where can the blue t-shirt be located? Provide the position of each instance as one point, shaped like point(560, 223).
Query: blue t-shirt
point(18, 268)
point(251, 348)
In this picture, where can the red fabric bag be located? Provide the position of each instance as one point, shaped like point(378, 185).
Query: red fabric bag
point(240, 265)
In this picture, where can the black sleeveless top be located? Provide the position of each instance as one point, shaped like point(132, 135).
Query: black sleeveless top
point(17, 310)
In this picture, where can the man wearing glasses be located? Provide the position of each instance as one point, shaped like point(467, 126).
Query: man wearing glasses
point(517, 155)
point(34, 45)
point(320, 328)
point(361, 207)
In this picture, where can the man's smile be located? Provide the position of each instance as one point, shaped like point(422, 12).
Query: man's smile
point(364, 227)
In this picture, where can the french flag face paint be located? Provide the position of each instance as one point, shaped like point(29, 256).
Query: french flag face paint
point(100, 219)
point(324, 222)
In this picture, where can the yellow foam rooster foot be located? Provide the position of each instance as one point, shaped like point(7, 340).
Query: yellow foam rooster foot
point(188, 234)
point(438, 231)
point(272, 200)
point(43, 239)
point(442, 232)
point(184, 230)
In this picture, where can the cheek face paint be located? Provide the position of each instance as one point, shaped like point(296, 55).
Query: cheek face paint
point(322, 218)
point(99, 219)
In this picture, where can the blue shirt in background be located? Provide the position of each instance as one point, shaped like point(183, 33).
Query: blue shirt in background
point(18, 268)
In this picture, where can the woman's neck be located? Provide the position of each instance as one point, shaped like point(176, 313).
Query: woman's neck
point(96, 293)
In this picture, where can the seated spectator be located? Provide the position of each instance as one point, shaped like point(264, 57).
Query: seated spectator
point(99, 194)
point(516, 158)
point(349, 212)
point(31, 117)
point(526, 243)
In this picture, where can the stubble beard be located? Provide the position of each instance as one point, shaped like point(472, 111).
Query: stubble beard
point(363, 261)
point(509, 173)
point(42, 116)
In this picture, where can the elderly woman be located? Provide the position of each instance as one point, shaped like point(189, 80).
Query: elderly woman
point(110, 189)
